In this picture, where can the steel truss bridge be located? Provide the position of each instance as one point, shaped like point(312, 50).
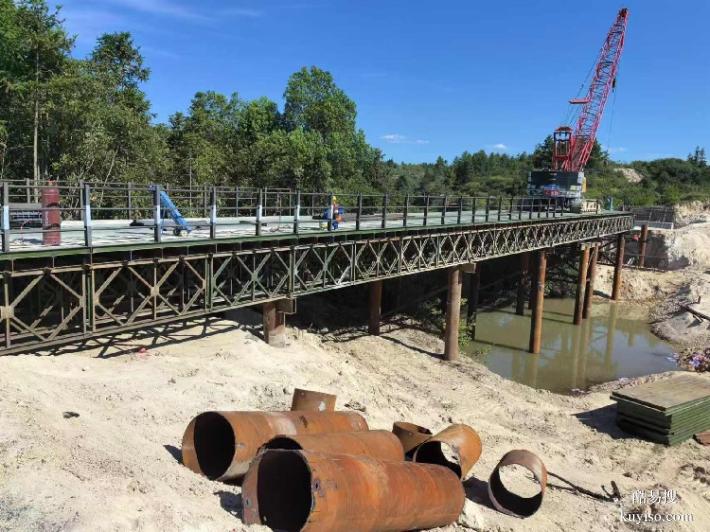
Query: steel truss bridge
point(60, 294)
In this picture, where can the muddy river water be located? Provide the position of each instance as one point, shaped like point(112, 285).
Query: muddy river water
point(609, 345)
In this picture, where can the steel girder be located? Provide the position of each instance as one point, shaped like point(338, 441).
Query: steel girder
point(53, 303)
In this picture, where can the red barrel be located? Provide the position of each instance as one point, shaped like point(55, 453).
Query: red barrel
point(51, 215)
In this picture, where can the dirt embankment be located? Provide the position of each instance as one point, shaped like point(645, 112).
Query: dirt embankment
point(665, 293)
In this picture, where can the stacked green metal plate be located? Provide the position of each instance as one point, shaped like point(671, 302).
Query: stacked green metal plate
point(668, 411)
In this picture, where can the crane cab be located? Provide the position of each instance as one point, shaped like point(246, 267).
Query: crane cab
point(562, 146)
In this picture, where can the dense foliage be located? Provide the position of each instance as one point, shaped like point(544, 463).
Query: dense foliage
point(88, 119)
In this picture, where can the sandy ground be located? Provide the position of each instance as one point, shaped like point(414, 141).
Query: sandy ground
point(115, 465)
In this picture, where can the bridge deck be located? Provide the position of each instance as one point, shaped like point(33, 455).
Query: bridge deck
point(121, 233)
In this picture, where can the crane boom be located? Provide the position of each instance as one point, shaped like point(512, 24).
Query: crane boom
point(573, 147)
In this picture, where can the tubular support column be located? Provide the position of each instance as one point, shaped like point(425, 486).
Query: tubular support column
point(375, 307)
point(616, 290)
point(274, 325)
point(453, 315)
point(538, 303)
point(524, 272)
point(581, 281)
point(532, 274)
point(472, 306)
point(642, 245)
point(589, 289)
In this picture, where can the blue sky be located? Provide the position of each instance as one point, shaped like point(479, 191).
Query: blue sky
point(432, 78)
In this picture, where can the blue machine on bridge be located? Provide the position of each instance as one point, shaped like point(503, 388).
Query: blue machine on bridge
point(182, 228)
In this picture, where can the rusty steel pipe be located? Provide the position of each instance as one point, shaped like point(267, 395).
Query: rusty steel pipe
point(300, 490)
point(457, 447)
point(410, 436)
point(511, 503)
point(221, 445)
point(380, 444)
point(314, 401)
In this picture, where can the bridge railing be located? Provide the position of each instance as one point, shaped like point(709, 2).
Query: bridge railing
point(86, 215)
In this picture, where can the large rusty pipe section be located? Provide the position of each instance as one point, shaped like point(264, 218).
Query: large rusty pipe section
point(221, 445)
point(300, 490)
point(380, 444)
point(410, 436)
point(509, 502)
point(313, 401)
point(457, 447)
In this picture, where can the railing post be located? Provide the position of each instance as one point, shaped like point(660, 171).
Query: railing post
point(426, 209)
point(205, 200)
point(331, 210)
point(259, 209)
point(458, 216)
point(443, 210)
point(27, 190)
point(129, 199)
point(406, 210)
point(473, 210)
point(532, 208)
point(500, 206)
point(510, 210)
point(86, 194)
point(5, 217)
point(297, 212)
point(358, 216)
point(547, 212)
point(520, 209)
point(157, 222)
point(213, 212)
point(385, 201)
point(488, 207)
point(236, 202)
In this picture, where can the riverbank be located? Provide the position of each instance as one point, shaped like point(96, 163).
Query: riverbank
point(115, 464)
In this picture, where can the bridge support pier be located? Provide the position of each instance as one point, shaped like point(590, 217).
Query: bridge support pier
point(453, 314)
point(643, 240)
point(522, 281)
point(375, 307)
point(472, 306)
point(581, 281)
point(538, 291)
point(591, 275)
point(616, 289)
point(274, 324)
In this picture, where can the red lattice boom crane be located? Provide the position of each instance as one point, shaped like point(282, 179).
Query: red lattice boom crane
point(573, 146)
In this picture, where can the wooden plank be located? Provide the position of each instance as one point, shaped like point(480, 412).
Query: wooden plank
point(668, 394)
point(703, 437)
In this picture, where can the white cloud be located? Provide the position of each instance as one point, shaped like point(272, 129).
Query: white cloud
point(160, 7)
point(396, 138)
point(242, 12)
point(615, 149)
point(499, 147)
